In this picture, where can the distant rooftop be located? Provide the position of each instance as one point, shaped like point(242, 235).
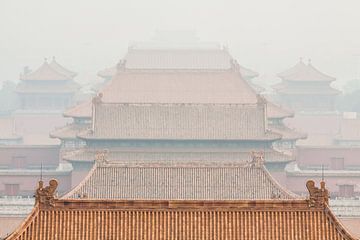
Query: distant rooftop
point(305, 73)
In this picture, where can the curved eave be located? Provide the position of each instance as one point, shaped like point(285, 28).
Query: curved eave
point(26, 223)
point(288, 134)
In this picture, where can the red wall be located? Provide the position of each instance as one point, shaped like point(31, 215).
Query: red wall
point(322, 155)
point(32, 155)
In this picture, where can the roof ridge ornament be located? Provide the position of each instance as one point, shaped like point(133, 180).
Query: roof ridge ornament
point(101, 157)
point(121, 65)
point(97, 99)
point(235, 65)
point(257, 159)
point(45, 196)
point(318, 197)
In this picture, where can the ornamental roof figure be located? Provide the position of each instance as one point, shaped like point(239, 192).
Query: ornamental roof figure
point(200, 219)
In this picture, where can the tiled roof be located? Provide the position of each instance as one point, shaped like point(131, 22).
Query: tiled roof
point(45, 73)
point(160, 219)
point(63, 87)
point(286, 88)
point(179, 121)
point(196, 59)
point(108, 73)
point(287, 133)
point(7, 129)
point(119, 180)
point(275, 111)
point(61, 69)
point(177, 157)
point(82, 110)
point(302, 72)
point(69, 131)
point(179, 87)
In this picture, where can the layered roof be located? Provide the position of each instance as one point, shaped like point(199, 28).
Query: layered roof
point(196, 59)
point(54, 218)
point(179, 87)
point(63, 87)
point(287, 133)
point(181, 180)
point(179, 121)
point(211, 156)
point(45, 73)
point(275, 111)
point(305, 73)
point(69, 131)
point(61, 69)
point(286, 88)
point(82, 110)
point(209, 59)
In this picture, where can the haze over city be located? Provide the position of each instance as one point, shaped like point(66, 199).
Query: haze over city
point(263, 35)
point(184, 119)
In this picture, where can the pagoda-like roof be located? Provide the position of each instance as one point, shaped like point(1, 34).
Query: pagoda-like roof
point(45, 73)
point(275, 111)
point(182, 59)
point(210, 156)
point(67, 87)
point(69, 131)
point(179, 122)
point(179, 87)
point(182, 180)
point(286, 88)
point(61, 69)
point(305, 73)
point(54, 218)
point(287, 133)
point(213, 59)
point(110, 72)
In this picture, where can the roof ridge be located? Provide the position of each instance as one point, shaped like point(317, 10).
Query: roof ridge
point(45, 66)
point(278, 185)
point(82, 183)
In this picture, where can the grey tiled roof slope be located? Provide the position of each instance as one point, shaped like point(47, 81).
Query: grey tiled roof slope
point(120, 181)
point(176, 156)
point(180, 121)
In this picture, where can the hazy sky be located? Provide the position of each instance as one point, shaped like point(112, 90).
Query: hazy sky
point(267, 36)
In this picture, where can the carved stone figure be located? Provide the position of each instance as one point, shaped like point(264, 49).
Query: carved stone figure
point(101, 156)
point(257, 159)
point(46, 195)
point(318, 197)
